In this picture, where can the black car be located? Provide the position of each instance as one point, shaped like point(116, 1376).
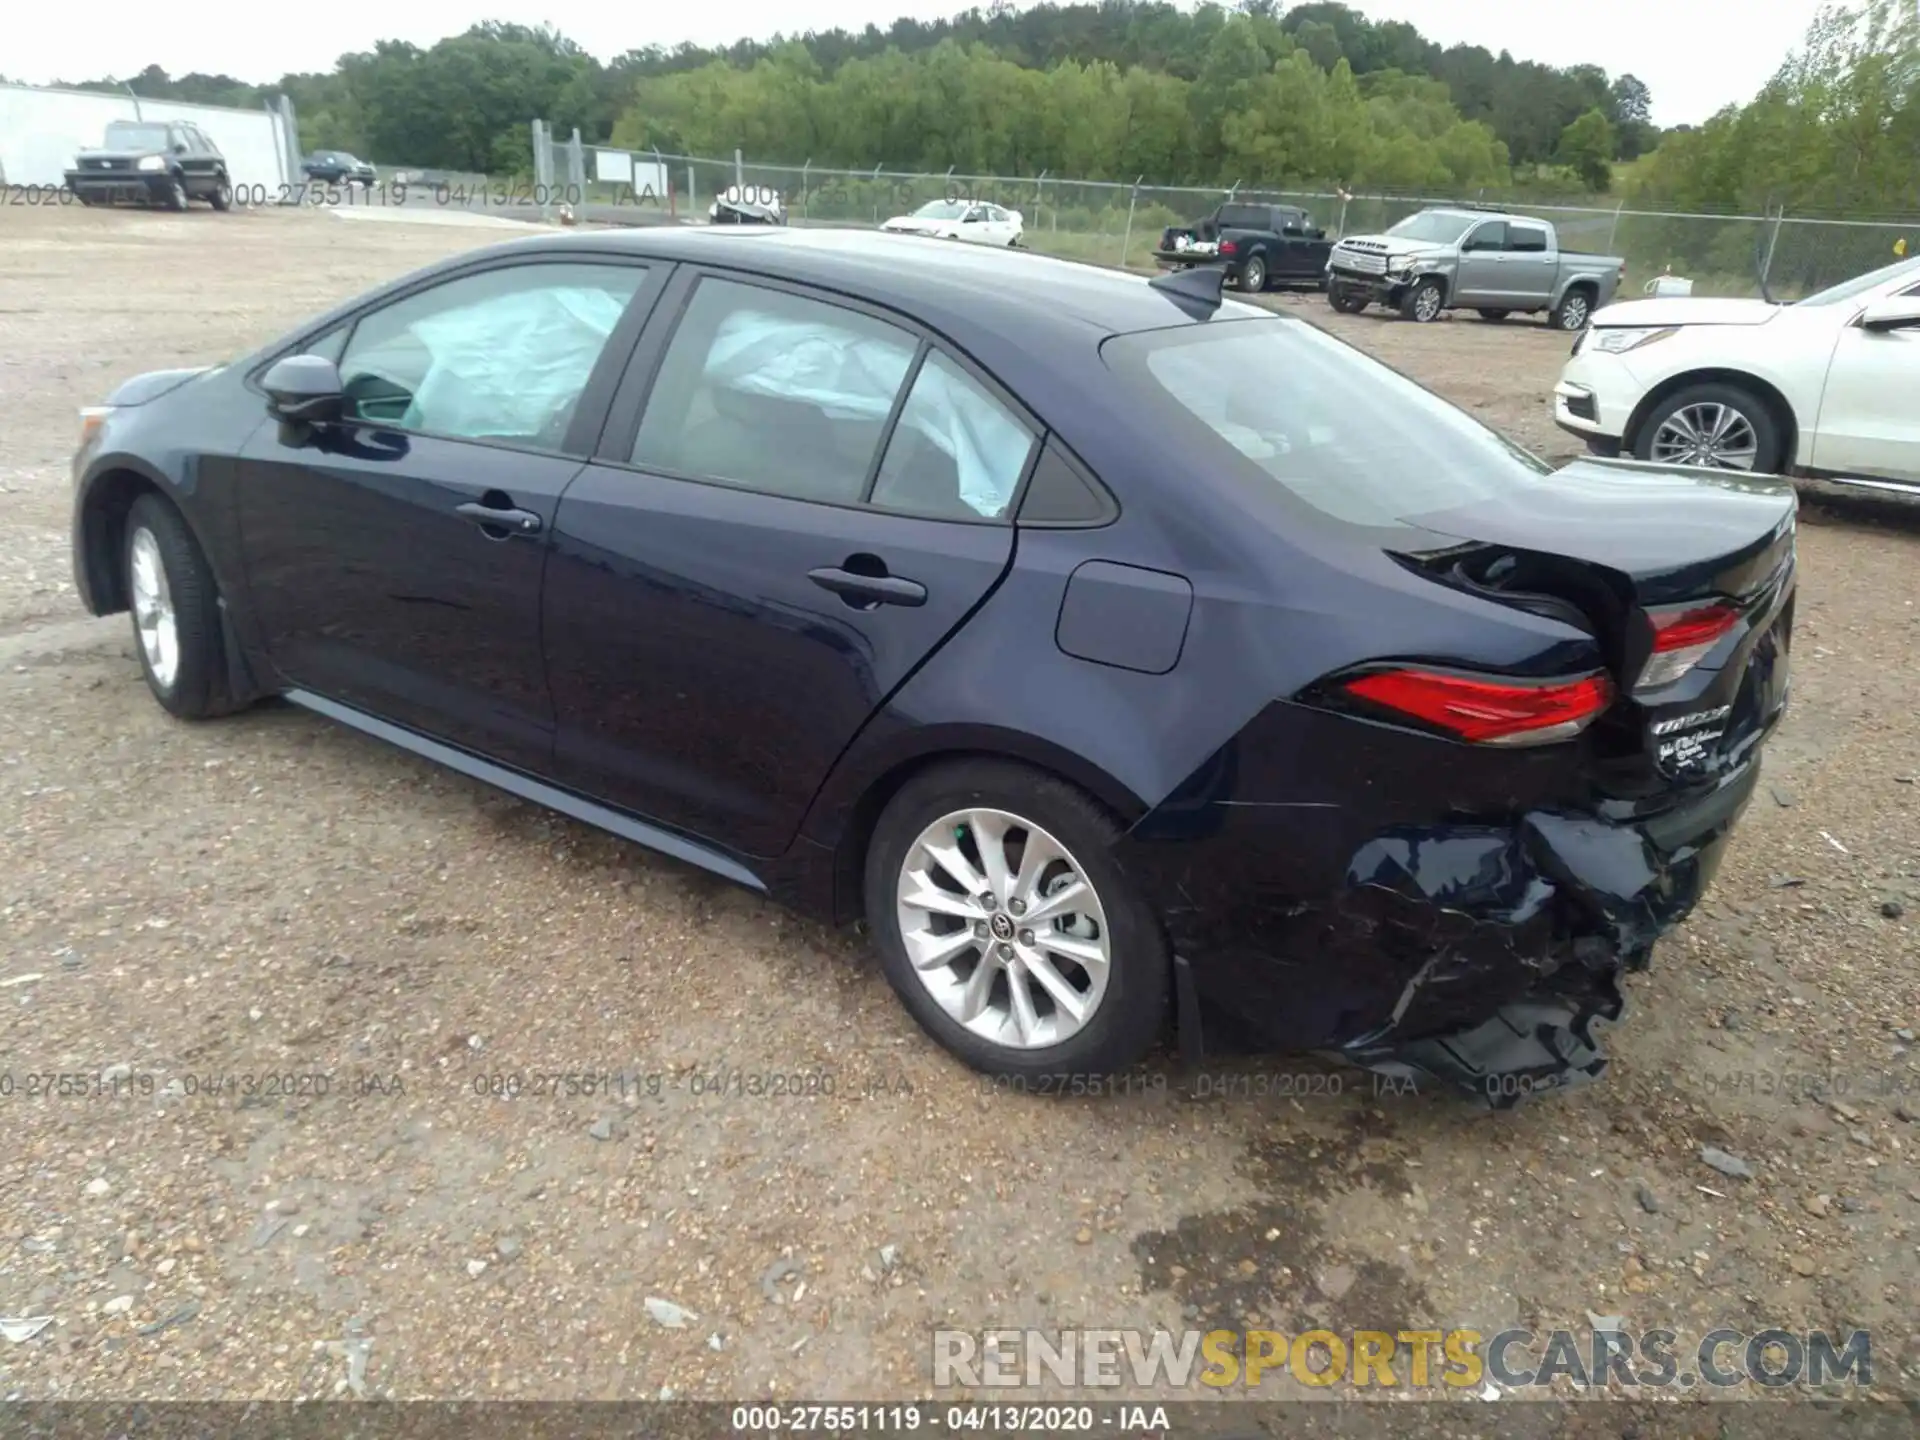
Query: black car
point(1258, 245)
point(1113, 648)
point(337, 167)
point(152, 162)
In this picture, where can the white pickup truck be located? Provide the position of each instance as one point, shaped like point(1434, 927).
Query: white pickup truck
point(1473, 258)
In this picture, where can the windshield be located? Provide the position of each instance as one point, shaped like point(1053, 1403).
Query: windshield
point(1348, 435)
point(1860, 284)
point(941, 210)
point(130, 135)
point(1432, 228)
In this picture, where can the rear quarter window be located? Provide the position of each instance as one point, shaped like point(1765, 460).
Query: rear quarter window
point(1282, 404)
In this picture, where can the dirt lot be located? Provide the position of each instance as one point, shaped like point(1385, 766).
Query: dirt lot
point(188, 906)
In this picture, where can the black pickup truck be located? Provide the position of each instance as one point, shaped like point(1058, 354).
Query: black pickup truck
point(1258, 245)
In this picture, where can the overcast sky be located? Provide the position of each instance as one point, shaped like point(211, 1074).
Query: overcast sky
point(1695, 56)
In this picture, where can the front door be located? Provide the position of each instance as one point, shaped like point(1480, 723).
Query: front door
point(1869, 425)
point(395, 558)
point(764, 554)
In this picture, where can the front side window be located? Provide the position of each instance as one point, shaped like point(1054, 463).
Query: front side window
point(941, 210)
point(1284, 403)
point(957, 453)
point(503, 355)
point(1488, 237)
point(774, 392)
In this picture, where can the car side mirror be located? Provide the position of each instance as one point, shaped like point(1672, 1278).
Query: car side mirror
point(306, 389)
point(1898, 312)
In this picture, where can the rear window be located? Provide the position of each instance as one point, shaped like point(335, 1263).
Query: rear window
point(1244, 217)
point(1286, 404)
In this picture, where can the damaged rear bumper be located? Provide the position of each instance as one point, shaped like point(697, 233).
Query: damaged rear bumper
point(1484, 957)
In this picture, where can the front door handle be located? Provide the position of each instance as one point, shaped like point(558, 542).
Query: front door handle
point(502, 519)
point(863, 591)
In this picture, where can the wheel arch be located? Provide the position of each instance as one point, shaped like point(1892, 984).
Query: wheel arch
point(109, 497)
point(844, 822)
point(1778, 406)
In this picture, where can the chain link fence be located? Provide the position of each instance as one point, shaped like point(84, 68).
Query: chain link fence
point(1120, 224)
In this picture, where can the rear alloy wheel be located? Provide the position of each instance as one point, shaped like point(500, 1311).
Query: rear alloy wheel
point(1495, 315)
point(1253, 275)
point(1573, 311)
point(1423, 302)
point(176, 194)
point(1006, 928)
point(176, 616)
point(1345, 299)
point(1721, 427)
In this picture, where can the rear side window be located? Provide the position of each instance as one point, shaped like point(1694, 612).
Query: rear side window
point(1288, 405)
point(774, 392)
point(957, 453)
point(1529, 239)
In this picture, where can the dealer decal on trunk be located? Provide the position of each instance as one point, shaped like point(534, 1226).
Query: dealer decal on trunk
point(1685, 740)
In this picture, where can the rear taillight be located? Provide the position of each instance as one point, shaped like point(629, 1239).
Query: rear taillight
point(1682, 637)
point(1227, 247)
point(1485, 710)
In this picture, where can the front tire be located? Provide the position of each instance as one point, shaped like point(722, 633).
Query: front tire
point(1253, 275)
point(1723, 427)
point(1423, 303)
point(1344, 299)
point(1006, 928)
point(175, 607)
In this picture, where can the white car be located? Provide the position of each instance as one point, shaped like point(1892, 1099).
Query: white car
point(979, 221)
point(1828, 387)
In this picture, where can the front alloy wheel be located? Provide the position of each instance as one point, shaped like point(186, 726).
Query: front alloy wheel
point(1720, 426)
point(154, 621)
point(1423, 303)
point(1006, 927)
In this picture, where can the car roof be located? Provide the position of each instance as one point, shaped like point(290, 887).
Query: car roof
point(952, 286)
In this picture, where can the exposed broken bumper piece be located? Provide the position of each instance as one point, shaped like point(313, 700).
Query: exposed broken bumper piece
point(1530, 1047)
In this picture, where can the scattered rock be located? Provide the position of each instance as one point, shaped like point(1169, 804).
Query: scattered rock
point(716, 1342)
point(1802, 1265)
point(1905, 1112)
point(115, 1073)
point(1083, 1236)
point(118, 1305)
point(476, 1268)
point(774, 1274)
point(1904, 1036)
point(1335, 1281)
point(1731, 1020)
point(1851, 1205)
point(667, 1314)
point(21, 1328)
point(179, 1315)
point(1786, 882)
point(1731, 1166)
point(1844, 1112)
point(264, 1232)
point(284, 1207)
point(507, 1247)
point(1649, 1201)
point(1892, 909)
point(1817, 1204)
point(98, 1186)
point(1783, 798)
point(1607, 1324)
point(889, 1257)
point(601, 1129)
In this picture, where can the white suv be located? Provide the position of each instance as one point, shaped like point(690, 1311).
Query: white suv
point(1828, 387)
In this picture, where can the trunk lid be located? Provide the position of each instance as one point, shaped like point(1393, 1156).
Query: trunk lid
point(1644, 557)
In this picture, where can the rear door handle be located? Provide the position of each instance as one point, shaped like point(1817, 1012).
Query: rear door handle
point(871, 589)
point(490, 518)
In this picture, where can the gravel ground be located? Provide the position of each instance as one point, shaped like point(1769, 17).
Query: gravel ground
point(192, 910)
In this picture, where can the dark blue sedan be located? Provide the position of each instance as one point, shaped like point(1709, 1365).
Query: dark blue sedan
point(1128, 657)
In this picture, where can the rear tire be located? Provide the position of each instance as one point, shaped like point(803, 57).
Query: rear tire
point(222, 197)
point(1423, 302)
point(1573, 311)
point(1495, 316)
point(1253, 275)
point(977, 986)
point(175, 606)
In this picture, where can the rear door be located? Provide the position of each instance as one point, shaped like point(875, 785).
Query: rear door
point(1531, 265)
point(795, 502)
